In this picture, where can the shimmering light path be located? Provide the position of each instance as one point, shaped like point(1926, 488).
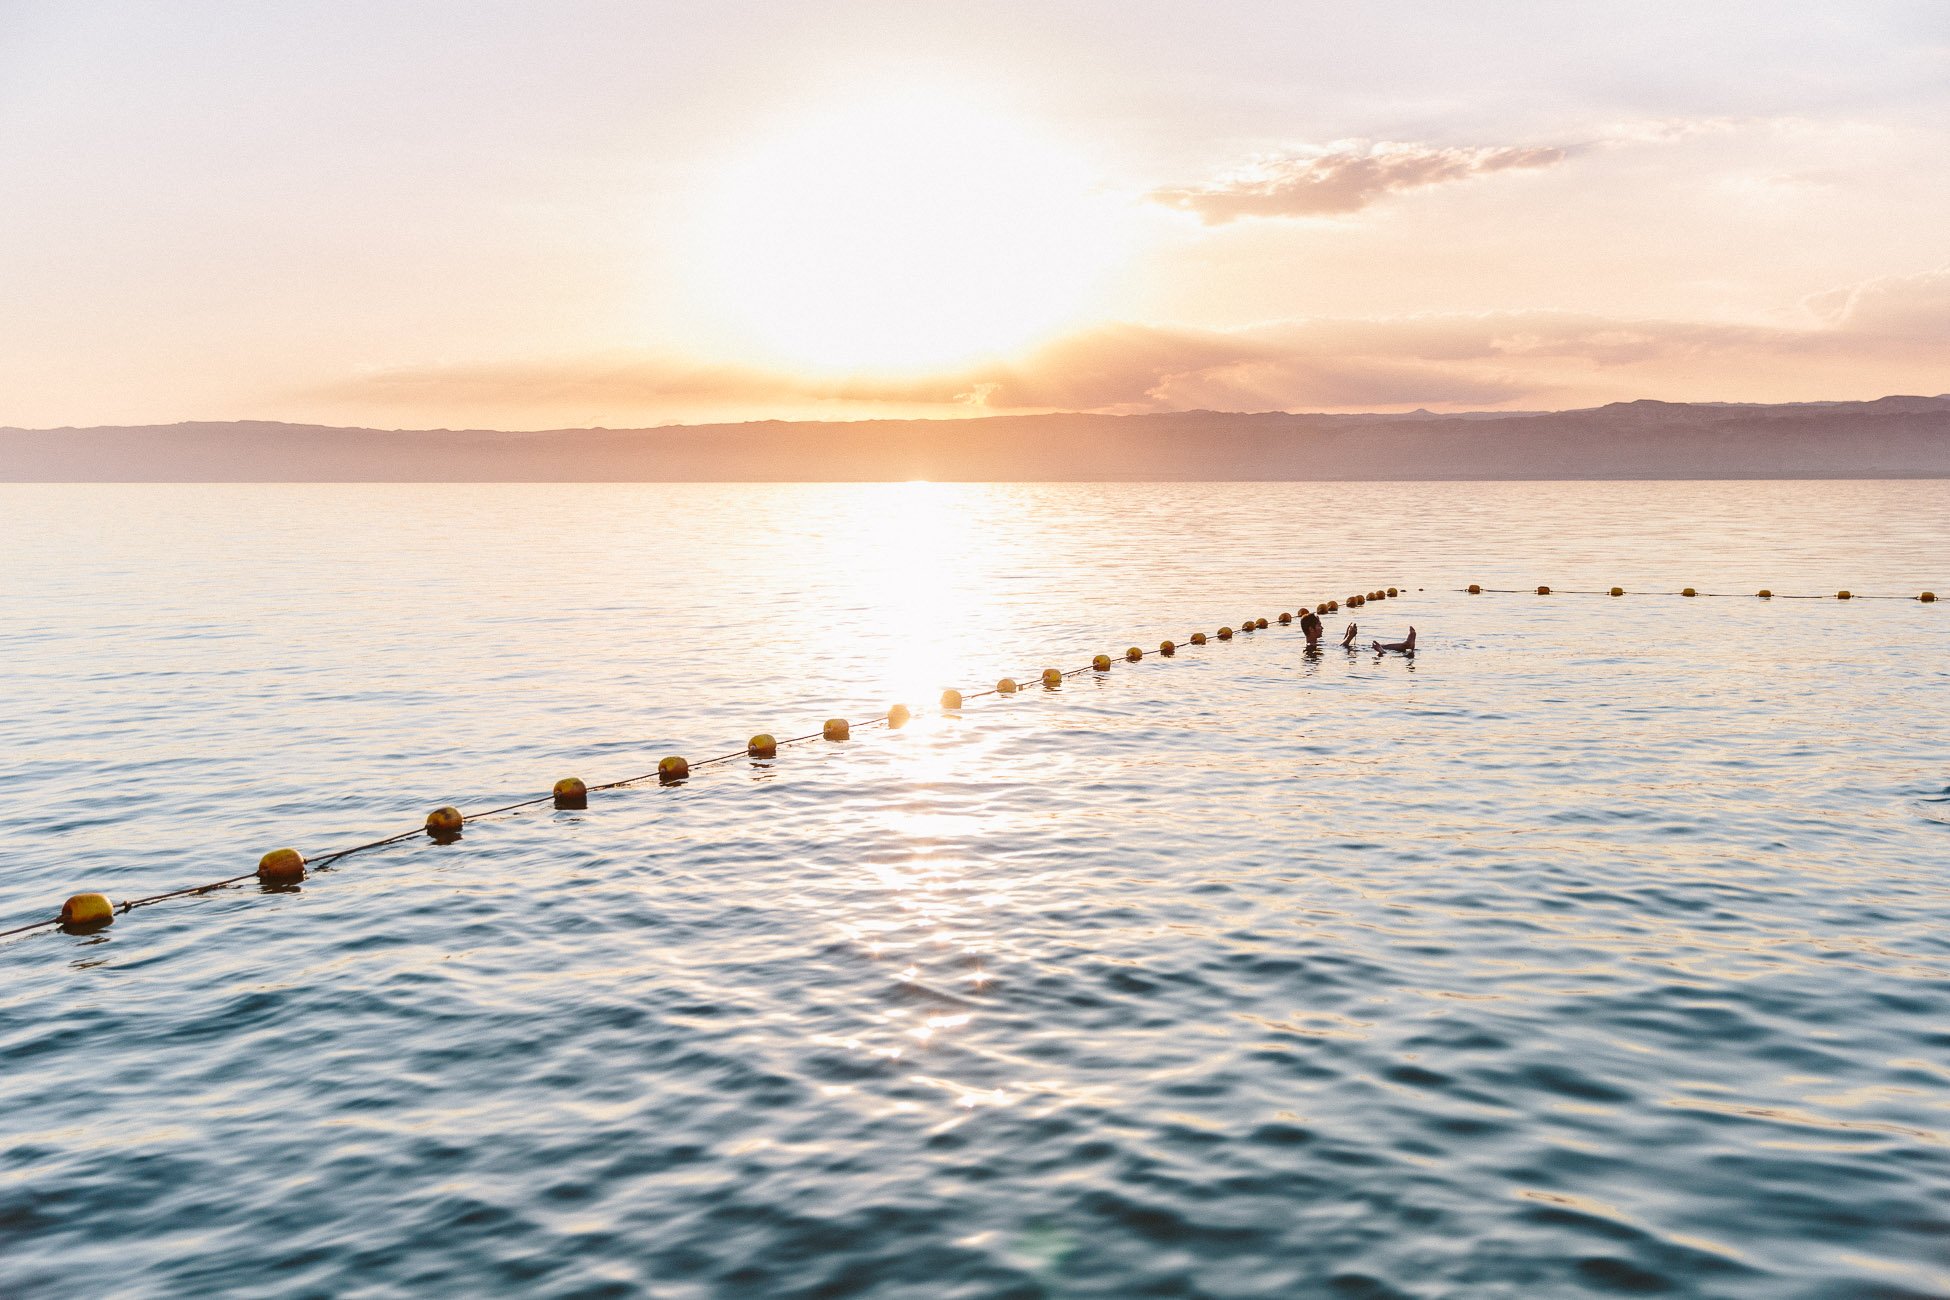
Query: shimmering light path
point(1597, 949)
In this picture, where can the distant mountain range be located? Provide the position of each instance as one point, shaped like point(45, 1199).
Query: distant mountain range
point(1891, 437)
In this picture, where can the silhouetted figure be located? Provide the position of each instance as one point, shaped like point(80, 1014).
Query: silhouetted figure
point(1310, 624)
point(1405, 646)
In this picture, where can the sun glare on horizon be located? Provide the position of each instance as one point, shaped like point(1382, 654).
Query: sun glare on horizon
point(903, 232)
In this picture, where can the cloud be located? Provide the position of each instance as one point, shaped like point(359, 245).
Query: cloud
point(1884, 335)
point(1350, 175)
point(1344, 178)
point(622, 380)
point(1880, 336)
point(1893, 309)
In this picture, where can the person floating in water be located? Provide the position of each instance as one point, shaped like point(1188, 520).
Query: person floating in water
point(1406, 646)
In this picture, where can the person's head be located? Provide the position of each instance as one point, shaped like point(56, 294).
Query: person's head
point(1310, 624)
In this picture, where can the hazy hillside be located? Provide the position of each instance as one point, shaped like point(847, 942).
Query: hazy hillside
point(1893, 437)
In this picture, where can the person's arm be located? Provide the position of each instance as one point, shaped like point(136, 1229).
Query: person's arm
point(1347, 639)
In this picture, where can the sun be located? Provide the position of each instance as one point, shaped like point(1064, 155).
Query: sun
point(905, 231)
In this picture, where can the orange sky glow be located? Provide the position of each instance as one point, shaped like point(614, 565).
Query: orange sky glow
point(623, 214)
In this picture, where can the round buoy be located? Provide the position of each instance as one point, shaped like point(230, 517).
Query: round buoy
point(1100, 662)
point(85, 912)
point(762, 746)
point(281, 867)
point(1052, 676)
point(897, 716)
point(1842, 595)
point(672, 769)
point(1132, 655)
point(1543, 591)
point(836, 729)
point(1392, 591)
point(447, 820)
point(1618, 591)
point(1333, 606)
point(951, 698)
point(570, 792)
point(1007, 686)
point(1764, 593)
point(1225, 634)
point(1377, 595)
point(1198, 638)
point(1259, 623)
point(1170, 648)
point(1475, 590)
point(1285, 617)
point(1927, 597)
point(1687, 591)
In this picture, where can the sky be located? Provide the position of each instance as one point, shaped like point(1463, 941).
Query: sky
point(530, 216)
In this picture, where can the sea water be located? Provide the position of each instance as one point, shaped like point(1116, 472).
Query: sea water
point(1602, 947)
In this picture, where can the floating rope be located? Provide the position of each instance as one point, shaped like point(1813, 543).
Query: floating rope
point(1476, 589)
point(83, 913)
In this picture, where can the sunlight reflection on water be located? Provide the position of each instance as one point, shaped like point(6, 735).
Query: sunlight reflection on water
point(1598, 948)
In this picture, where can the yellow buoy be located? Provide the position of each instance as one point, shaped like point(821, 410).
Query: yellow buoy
point(1171, 648)
point(1225, 634)
point(445, 821)
point(951, 698)
point(836, 729)
point(1100, 662)
point(1842, 595)
point(1392, 591)
point(1007, 686)
point(1475, 590)
point(1285, 617)
point(1618, 591)
point(570, 792)
point(762, 746)
point(672, 769)
point(1198, 638)
point(1687, 591)
point(1133, 655)
point(1543, 591)
point(1927, 597)
point(1052, 676)
point(281, 867)
point(897, 716)
point(86, 912)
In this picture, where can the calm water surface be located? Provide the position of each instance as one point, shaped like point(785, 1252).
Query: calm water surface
point(1602, 948)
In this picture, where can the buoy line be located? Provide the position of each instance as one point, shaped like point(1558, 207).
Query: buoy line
point(86, 912)
point(1477, 589)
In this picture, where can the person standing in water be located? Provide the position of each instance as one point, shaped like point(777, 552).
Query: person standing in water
point(1310, 624)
